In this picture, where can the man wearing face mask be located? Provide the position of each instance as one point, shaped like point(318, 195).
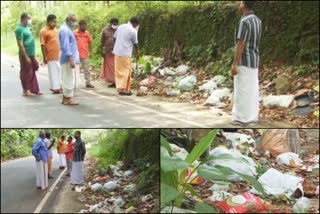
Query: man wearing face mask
point(40, 152)
point(245, 67)
point(106, 48)
point(78, 158)
point(126, 38)
point(69, 57)
point(84, 42)
point(28, 62)
point(49, 39)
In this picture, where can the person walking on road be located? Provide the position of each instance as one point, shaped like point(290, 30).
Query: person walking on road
point(40, 152)
point(78, 158)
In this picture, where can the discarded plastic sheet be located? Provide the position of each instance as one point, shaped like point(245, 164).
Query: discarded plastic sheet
point(275, 182)
point(286, 158)
point(219, 79)
point(110, 186)
point(219, 196)
point(208, 87)
point(238, 162)
point(302, 205)
point(182, 69)
point(283, 101)
point(217, 187)
point(187, 83)
point(96, 187)
point(241, 142)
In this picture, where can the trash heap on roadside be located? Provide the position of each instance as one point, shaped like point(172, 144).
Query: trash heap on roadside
point(184, 83)
point(288, 173)
point(114, 190)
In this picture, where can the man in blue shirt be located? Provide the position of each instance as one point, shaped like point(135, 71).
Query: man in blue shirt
point(69, 57)
point(40, 152)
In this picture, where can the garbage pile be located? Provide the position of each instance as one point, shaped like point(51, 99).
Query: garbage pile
point(289, 179)
point(114, 190)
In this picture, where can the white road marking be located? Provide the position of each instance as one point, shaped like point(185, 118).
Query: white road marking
point(46, 197)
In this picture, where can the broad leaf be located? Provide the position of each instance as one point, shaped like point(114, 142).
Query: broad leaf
point(168, 194)
point(204, 208)
point(210, 173)
point(165, 144)
point(169, 163)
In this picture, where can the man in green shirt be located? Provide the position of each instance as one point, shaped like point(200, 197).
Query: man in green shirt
point(28, 62)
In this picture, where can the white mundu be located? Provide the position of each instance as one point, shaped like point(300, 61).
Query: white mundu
point(77, 173)
point(42, 174)
point(67, 80)
point(54, 74)
point(246, 95)
point(62, 159)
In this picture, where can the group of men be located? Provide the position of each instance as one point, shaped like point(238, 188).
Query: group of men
point(70, 155)
point(64, 49)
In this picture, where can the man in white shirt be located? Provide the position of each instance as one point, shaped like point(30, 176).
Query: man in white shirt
point(126, 38)
point(49, 145)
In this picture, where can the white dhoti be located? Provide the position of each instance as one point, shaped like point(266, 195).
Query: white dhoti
point(67, 80)
point(77, 173)
point(77, 77)
point(62, 159)
point(54, 74)
point(42, 174)
point(246, 95)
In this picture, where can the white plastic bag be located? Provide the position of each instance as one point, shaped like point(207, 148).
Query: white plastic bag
point(302, 205)
point(110, 186)
point(187, 83)
point(219, 196)
point(283, 101)
point(96, 187)
point(238, 139)
point(208, 87)
point(239, 163)
point(275, 182)
point(219, 79)
point(285, 158)
point(182, 69)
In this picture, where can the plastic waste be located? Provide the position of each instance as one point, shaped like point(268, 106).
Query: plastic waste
point(238, 162)
point(217, 187)
point(208, 87)
point(302, 205)
point(119, 202)
point(283, 101)
point(275, 182)
point(172, 93)
point(167, 71)
point(187, 83)
point(148, 81)
point(286, 158)
point(146, 198)
point(241, 142)
point(182, 69)
point(96, 187)
point(130, 188)
point(128, 173)
point(110, 186)
point(219, 79)
point(219, 196)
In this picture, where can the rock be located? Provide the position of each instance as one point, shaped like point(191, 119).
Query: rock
point(302, 111)
point(283, 85)
point(187, 83)
point(96, 187)
point(110, 186)
point(130, 188)
point(283, 101)
point(304, 100)
point(128, 173)
point(146, 198)
point(119, 202)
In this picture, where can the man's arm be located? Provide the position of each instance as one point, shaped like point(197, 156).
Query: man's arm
point(19, 37)
point(65, 46)
point(42, 42)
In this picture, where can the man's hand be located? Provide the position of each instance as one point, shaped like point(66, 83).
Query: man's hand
point(71, 62)
point(38, 158)
point(28, 60)
point(234, 70)
point(45, 61)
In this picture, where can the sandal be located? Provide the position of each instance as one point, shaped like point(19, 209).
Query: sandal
point(70, 102)
point(125, 93)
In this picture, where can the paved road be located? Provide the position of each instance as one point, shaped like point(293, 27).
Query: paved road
point(99, 108)
point(18, 185)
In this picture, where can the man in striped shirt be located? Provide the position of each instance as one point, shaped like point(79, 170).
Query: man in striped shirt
point(245, 67)
point(78, 157)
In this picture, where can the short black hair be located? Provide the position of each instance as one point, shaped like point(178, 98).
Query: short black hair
point(82, 22)
point(250, 4)
point(63, 137)
point(48, 135)
point(78, 132)
point(24, 15)
point(114, 20)
point(134, 20)
point(70, 137)
point(51, 17)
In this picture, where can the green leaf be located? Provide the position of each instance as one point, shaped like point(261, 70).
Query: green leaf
point(201, 147)
point(169, 163)
point(189, 188)
point(204, 208)
point(165, 144)
point(168, 193)
point(210, 173)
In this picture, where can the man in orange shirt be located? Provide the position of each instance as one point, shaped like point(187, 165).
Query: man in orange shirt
point(84, 42)
point(69, 154)
point(61, 151)
point(49, 39)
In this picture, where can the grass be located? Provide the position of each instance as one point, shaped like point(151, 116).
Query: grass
point(9, 46)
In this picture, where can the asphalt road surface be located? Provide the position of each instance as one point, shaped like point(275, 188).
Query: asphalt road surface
point(18, 185)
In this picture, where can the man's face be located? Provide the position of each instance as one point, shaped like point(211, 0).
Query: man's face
point(76, 135)
point(83, 27)
point(72, 21)
point(52, 24)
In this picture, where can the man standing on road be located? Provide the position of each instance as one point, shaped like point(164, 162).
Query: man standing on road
point(78, 158)
point(84, 43)
point(245, 67)
point(69, 154)
point(61, 151)
point(69, 57)
point(40, 152)
point(49, 39)
point(106, 46)
point(49, 145)
point(28, 62)
point(126, 38)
